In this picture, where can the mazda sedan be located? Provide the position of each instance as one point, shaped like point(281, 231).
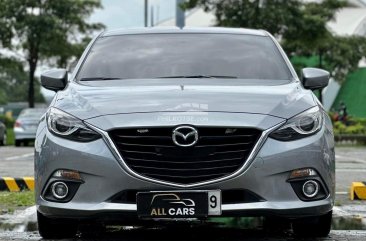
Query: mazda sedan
point(161, 125)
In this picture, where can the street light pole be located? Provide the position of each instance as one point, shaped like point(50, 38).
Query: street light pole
point(146, 11)
point(179, 14)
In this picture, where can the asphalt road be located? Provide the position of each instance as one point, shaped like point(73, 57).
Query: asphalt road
point(16, 161)
point(191, 234)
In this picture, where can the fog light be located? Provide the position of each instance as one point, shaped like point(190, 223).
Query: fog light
point(59, 190)
point(310, 189)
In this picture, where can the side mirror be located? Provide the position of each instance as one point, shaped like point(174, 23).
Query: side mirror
point(55, 79)
point(313, 78)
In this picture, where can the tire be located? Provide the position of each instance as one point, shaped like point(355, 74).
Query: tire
point(313, 226)
point(18, 143)
point(50, 228)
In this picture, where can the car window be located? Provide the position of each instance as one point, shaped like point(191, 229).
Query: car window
point(173, 55)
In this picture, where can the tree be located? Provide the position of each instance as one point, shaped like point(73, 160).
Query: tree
point(42, 29)
point(272, 15)
point(14, 82)
point(301, 26)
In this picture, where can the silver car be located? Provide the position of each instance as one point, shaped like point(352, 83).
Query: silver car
point(159, 125)
point(25, 126)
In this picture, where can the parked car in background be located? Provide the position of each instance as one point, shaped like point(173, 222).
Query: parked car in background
point(2, 134)
point(25, 127)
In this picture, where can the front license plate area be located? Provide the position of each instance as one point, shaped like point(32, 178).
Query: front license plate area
point(178, 204)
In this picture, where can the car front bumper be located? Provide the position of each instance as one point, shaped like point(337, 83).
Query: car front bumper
point(103, 177)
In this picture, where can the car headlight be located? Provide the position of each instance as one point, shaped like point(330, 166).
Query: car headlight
point(67, 126)
point(300, 126)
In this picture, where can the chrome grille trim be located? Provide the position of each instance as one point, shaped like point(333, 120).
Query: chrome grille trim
point(249, 160)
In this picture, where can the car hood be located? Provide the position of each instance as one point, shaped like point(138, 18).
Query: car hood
point(99, 98)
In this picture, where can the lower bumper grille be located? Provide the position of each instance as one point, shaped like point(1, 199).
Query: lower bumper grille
point(152, 153)
point(230, 196)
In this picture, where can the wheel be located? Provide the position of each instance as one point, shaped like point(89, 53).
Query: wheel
point(18, 142)
point(50, 228)
point(4, 141)
point(313, 226)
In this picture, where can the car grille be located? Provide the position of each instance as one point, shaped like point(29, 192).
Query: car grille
point(152, 153)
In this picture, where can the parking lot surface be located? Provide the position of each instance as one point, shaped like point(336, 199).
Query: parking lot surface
point(201, 234)
point(16, 161)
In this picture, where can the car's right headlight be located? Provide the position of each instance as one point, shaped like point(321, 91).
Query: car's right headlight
point(300, 126)
point(69, 127)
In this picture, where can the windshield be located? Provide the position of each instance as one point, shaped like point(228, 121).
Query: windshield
point(145, 56)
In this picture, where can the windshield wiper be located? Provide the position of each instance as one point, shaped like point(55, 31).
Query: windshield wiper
point(198, 77)
point(99, 78)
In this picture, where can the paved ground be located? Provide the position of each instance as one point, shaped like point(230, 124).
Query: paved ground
point(350, 166)
point(16, 161)
point(190, 234)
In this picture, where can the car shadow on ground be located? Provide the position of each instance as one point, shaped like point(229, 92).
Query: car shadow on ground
point(189, 234)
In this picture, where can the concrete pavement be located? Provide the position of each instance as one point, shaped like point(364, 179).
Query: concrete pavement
point(16, 161)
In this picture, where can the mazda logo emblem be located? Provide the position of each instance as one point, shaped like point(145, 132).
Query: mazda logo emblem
point(185, 136)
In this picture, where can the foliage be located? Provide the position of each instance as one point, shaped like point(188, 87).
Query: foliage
point(9, 122)
point(272, 16)
point(14, 82)
point(10, 136)
point(355, 126)
point(9, 201)
point(300, 25)
point(343, 55)
point(43, 29)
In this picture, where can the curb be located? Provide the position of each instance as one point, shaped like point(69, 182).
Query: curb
point(358, 190)
point(16, 184)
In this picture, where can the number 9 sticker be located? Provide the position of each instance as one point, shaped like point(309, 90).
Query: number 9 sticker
point(214, 202)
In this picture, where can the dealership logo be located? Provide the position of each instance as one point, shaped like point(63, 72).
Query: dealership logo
point(162, 205)
point(185, 136)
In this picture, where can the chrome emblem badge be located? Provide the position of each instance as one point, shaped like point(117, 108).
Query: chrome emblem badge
point(185, 136)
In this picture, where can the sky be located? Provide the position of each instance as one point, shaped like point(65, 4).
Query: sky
point(130, 13)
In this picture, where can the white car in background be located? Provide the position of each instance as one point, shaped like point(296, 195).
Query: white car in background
point(25, 127)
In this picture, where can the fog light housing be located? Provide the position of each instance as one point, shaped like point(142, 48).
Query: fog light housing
point(304, 172)
point(310, 189)
point(68, 174)
point(59, 190)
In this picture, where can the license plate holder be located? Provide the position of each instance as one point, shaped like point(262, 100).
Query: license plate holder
point(178, 204)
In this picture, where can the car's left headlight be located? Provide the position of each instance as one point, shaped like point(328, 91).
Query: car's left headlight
point(300, 126)
point(69, 127)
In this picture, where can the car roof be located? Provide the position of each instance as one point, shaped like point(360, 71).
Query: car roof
point(158, 30)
